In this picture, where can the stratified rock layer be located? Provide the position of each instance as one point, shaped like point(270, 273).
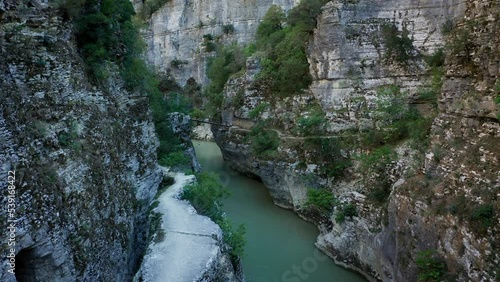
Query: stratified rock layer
point(436, 196)
point(176, 31)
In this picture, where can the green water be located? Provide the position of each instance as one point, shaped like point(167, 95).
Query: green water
point(280, 246)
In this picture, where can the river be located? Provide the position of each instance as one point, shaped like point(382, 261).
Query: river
point(280, 245)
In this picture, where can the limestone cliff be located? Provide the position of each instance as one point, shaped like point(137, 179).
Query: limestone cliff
point(175, 33)
point(441, 198)
point(84, 156)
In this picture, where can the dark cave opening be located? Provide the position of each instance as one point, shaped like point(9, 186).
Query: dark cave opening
point(25, 271)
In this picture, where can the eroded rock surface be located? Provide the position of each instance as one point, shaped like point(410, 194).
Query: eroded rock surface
point(176, 31)
point(84, 157)
point(435, 195)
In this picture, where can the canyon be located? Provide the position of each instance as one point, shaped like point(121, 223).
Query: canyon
point(85, 152)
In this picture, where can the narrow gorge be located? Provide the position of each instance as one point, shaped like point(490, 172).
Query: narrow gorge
point(376, 123)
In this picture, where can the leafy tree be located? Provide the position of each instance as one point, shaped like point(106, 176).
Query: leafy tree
point(264, 141)
point(399, 46)
point(228, 61)
point(310, 125)
point(323, 200)
point(272, 22)
point(305, 14)
point(344, 211)
point(431, 267)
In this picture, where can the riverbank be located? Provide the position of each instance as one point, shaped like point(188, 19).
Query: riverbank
point(191, 248)
point(280, 245)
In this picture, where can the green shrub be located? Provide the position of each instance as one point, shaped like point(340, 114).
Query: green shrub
point(399, 46)
point(285, 68)
point(239, 99)
point(250, 49)
point(273, 21)
point(150, 7)
point(105, 32)
point(228, 61)
point(447, 26)
point(228, 28)
point(198, 114)
point(208, 43)
point(258, 110)
point(176, 63)
point(282, 41)
point(322, 200)
point(436, 59)
point(101, 29)
point(305, 14)
point(178, 102)
point(348, 210)
point(310, 125)
point(205, 195)
point(461, 44)
point(431, 267)
point(264, 142)
point(380, 191)
point(177, 158)
point(483, 214)
point(164, 185)
point(376, 162)
point(234, 238)
point(210, 46)
point(396, 119)
point(378, 159)
point(208, 37)
point(69, 138)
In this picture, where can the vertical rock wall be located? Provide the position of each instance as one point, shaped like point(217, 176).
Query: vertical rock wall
point(439, 200)
point(84, 156)
point(175, 32)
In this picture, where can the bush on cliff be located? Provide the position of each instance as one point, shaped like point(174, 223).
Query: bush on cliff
point(398, 44)
point(431, 266)
point(206, 196)
point(264, 142)
point(322, 200)
point(228, 61)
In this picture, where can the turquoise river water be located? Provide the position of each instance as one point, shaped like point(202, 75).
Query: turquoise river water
point(280, 245)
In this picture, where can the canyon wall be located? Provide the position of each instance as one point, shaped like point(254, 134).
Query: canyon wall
point(441, 198)
point(84, 156)
point(175, 32)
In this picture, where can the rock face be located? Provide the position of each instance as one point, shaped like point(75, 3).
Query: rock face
point(443, 199)
point(175, 32)
point(347, 53)
point(84, 157)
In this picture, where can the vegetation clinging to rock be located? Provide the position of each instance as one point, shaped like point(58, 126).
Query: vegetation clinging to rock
point(206, 195)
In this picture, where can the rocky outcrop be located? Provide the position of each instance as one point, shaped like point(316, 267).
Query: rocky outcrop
point(84, 156)
point(442, 199)
point(348, 54)
point(202, 132)
point(175, 33)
